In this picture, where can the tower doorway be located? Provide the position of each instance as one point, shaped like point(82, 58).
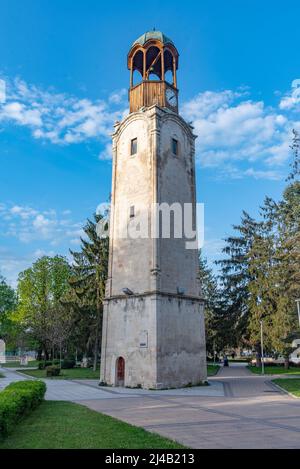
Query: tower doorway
point(120, 371)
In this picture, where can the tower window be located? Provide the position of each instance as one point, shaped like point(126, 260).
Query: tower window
point(133, 146)
point(131, 212)
point(174, 146)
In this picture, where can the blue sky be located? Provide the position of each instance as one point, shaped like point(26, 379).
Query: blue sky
point(64, 65)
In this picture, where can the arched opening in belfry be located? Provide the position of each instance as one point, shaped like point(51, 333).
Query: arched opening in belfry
point(136, 77)
point(169, 65)
point(120, 371)
point(137, 68)
point(153, 64)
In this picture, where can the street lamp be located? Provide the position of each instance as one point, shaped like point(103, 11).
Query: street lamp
point(298, 307)
point(262, 348)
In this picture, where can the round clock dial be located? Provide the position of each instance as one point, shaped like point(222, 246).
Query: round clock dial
point(171, 97)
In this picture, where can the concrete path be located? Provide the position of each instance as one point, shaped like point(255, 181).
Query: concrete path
point(78, 390)
point(238, 410)
point(10, 376)
point(252, 414)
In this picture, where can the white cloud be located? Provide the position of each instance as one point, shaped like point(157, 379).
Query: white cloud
point(41, 252)
point(261, 174)
point(291, 101)
point(28, 224)
point(231, 128)
point(118, 96)
point(57, 117)
point(106, 154)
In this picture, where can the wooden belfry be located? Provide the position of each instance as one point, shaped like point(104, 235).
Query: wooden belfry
point(153, 55)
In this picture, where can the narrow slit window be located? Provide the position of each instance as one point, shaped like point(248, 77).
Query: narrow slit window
point(131, 212)
point(174, 146)
point(133, 146)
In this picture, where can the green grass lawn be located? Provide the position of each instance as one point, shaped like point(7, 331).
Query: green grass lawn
point(275, 370)
point(212, 370)
point(291, 385)
point(73, 373)
point(17, 364)
point(64, 425)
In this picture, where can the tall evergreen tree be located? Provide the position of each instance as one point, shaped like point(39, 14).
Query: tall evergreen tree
point(295, 165)
point(210, 293)
point(274, 261)
point(88, 283)
point(235, 277)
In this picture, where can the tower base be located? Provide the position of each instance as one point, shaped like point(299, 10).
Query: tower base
point(154, 341)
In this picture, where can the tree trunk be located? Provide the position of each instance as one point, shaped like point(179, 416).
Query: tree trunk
point(258, 363)
point(96, 351)
point(258, 357)
point(46, 354)
point(39, 354)
point(286, 363)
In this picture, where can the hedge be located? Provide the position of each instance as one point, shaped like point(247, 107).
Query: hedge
point(67, 364)
point(52, 370)
point(17, 400)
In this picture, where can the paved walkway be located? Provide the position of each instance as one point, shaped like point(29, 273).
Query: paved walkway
point(9, 377)
point(250, 413)
point(78, 390)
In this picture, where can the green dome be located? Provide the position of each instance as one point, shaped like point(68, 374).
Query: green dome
point(153, 35)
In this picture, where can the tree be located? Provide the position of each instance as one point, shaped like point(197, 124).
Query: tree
point(274, 261)
point(214, 326)
point(8, 303)
point(59, 326)
point(295, 165)
point(40, 289)
point(234, 279)
point(262, 288)
point(88, 283)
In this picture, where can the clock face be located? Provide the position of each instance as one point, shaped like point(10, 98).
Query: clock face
point(171, 97)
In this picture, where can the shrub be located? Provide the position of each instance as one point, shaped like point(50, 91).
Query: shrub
point(67, 364)
point(42, 365)
point(52, 370)
point(17, 400)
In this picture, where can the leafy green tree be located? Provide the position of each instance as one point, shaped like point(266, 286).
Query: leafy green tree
point(40, 290)
point(87, 284)
point(8, 303)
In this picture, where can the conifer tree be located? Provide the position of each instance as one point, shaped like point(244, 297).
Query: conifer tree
point(235, 277)
point(88, 283)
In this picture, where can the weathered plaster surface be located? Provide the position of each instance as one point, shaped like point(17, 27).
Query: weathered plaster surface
point(153, 269)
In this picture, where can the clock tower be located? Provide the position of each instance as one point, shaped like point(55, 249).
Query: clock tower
point(153, 321)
